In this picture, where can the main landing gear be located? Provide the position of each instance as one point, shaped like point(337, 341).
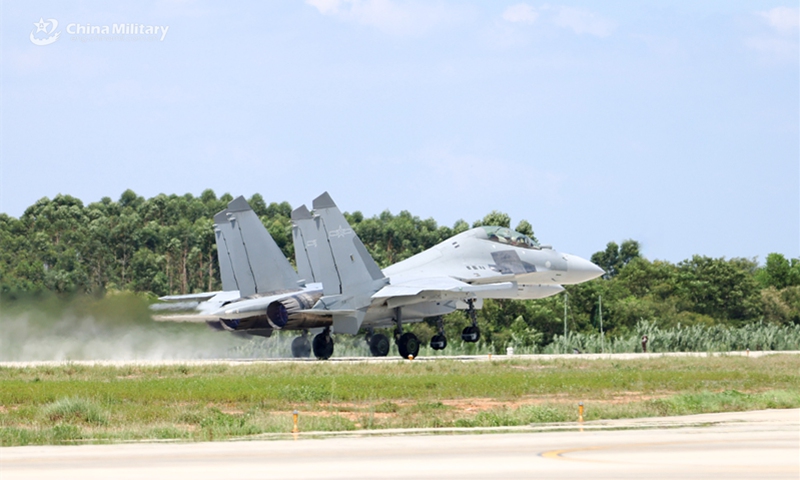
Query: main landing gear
point(439, 341)
point(378, 344)
point(323, 344)
point(301, 347)
point(471, 334)
point(407, 343)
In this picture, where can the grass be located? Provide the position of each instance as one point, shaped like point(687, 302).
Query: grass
point(76, 403)
point(74, 410)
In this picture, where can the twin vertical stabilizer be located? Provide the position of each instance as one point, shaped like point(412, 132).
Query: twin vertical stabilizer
point(249, 258)
point(330, 252)
point(355, 268)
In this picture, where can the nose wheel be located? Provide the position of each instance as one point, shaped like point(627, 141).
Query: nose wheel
point(472, 333)
point(439, 341)
point(407, 343)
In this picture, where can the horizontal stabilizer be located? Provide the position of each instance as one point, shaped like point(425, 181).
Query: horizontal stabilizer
point(188, 297)
point(319, 311)
point(189, 318)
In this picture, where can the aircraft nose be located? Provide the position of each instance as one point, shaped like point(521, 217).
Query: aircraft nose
point(581, 270)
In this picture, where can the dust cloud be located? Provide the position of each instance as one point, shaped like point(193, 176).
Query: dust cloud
point(116, 327)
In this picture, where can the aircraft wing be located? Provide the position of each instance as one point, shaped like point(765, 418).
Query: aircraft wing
point(437, 284)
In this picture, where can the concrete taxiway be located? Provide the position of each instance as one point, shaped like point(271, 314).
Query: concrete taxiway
point(744, 445)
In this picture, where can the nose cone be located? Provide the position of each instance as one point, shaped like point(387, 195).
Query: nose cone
point(580, 270)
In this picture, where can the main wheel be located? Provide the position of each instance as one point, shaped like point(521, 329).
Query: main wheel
point(408, 345)
point(438, 342)
point(471, 334)
point(379, 345)
point(323, 346)
point(301, 347)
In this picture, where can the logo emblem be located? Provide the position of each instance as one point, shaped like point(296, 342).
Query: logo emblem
point(41, 26)
point(340, 232)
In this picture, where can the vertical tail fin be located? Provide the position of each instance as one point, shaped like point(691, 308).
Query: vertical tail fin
point(333, 254)
point(312, 249)
point(305, 245)
point(258, 265)
point(354, 267)
point(222, 232)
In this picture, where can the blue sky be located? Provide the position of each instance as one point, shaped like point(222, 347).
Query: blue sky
point(671, 123)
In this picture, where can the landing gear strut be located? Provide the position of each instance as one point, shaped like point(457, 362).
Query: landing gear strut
point(378, 343)
point(301, 347)
point(323, 345)
point(472, 333)
point(439, 341)
point(407, 343)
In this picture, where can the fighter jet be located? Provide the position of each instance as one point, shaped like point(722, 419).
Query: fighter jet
point(252, 269)
point(340, 288)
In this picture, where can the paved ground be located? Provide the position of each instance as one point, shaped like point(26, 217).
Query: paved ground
point(757, 445)
point(464, 358)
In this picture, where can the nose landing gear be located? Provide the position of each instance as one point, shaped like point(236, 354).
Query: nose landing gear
point(439, 341)
point(471, 334)
point(407, 343)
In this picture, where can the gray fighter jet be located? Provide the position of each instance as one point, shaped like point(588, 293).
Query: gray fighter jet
point(340, 288)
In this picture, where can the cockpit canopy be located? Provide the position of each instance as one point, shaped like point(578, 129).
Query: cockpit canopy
point(507, 236)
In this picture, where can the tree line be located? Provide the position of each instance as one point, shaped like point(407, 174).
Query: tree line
point(165, 245)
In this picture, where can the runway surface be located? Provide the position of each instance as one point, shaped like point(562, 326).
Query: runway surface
point(757, 445)
point(462, 358)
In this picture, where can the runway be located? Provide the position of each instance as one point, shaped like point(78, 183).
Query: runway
point(346, 360)
point(758, 445)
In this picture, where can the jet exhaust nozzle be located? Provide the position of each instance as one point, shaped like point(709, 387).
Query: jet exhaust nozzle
point(278, 312)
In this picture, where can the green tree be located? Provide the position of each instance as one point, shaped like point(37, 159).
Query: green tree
point(258, 205)
point(494, 219)
point(779, 272)
point(614, 258)
point(722, 289)
point(460, 226)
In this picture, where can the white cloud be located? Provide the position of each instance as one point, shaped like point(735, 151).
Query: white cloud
point(583, 21)
point(779, 44)
point(783, 19)
point(399, 18)
point(773, 48)
point(520, 13)
point(579, 20)
point(326, 7)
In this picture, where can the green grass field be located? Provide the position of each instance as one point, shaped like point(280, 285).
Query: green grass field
point(74, 403)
